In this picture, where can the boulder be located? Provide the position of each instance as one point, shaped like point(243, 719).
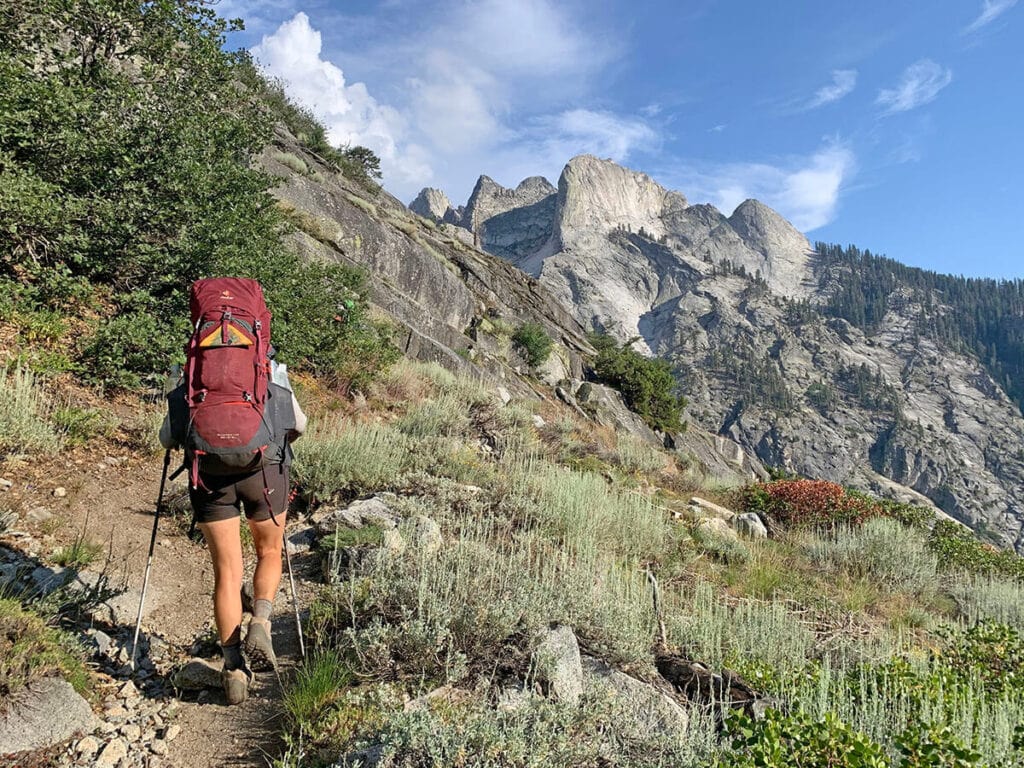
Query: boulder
point(557, 665)
point(750, 525)
point(48, 712)
point(426, 535)
point(646, 710)
point(716, 528)
point(372, 511)
point(710, 509)
point(46, 580)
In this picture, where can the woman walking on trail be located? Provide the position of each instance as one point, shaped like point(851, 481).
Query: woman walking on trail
point(231, 379)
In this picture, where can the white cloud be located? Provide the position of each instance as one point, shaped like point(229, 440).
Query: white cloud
point(582, 131)
point(919, 84)
point(990, 11)
point(350, 113)
point(805, 190)
point(843, 82)
point(502, 92)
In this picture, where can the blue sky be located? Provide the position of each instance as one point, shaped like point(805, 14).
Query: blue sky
point(897, 126)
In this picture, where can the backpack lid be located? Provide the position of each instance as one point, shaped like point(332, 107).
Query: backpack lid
point(242, 293)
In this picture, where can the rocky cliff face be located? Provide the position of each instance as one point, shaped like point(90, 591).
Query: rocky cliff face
point(732, 302)
point(453, 303)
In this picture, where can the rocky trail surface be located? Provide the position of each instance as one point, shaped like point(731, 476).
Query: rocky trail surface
point(159, 714)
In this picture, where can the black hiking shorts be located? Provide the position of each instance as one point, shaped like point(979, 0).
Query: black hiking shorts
point(225, 496)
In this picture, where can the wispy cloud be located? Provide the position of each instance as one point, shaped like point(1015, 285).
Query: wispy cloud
point(990, 11)
point(919, 84)
point(805, 190)
point(843, 83)
point(504, 92)
point(350, 114)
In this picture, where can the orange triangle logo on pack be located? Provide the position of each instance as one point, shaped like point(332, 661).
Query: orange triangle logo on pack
point(235, 338)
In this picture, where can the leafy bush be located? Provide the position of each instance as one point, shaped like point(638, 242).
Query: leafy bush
point(990, 651)
point(647, 384)
point(535, 342)
point(799, 741)
point(151, 165)
point(957, 547)
point(807, 503)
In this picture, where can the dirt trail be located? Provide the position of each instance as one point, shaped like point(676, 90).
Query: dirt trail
point(111, 499)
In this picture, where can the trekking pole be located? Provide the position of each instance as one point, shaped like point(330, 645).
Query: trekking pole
point(149, 561)
point(291, 580)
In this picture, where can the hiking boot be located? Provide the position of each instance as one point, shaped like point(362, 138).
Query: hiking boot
point(236, 684)
point(258, 647)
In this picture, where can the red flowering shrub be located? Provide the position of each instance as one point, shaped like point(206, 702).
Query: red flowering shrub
point(809, 503)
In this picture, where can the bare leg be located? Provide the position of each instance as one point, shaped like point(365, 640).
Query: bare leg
point(268, 538)
point(225, 546)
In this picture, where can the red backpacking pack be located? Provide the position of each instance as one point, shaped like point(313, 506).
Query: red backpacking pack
point(226, 376)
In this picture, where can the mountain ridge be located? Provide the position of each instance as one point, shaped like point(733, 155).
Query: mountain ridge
point(741, 305)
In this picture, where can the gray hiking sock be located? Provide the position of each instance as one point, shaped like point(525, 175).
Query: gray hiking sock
point(262, 608)
point(232, 656)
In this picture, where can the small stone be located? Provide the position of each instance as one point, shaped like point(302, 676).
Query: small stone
point(131, 732)
point(112, 754)
point(38, 515)
point(538, 421)
point(8, 519)
point(115, 713)
point(557, 661)
point(107, 727)
point(393, 542)
point(172, 732)
point(504, 396)
point(60, 492)
point(100, 639)
point(158, 747)
point(128, 691)
point(88, 746)
point(46, 580)
point(301, 541)
point(5, 484)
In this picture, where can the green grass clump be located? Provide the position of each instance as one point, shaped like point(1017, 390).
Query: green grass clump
point(25, 413)
point(80, 425)
point(636, 456)
point(78, 554)
point(30, 648)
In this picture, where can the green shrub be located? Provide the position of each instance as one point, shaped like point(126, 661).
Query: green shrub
point(982, 597)
point(80, 425)
point(800, 741)
point(646, 384)
point(336, 457)
point(957, 547)
point(542, 734)
point(534, 341)
point(991, 651)
point(132, 188)
point(25, 412)
point(883, 550)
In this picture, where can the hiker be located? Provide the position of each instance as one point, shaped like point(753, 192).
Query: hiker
point(235, 416)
